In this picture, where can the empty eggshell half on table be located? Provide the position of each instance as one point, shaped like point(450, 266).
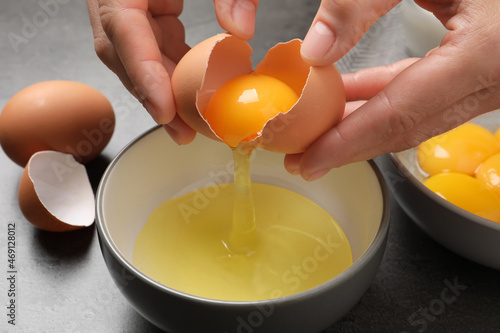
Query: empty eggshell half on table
point(211, 63)
point(55, 193)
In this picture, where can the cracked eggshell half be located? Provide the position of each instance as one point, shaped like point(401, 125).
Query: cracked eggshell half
point(197, 76)
point(223, 57)
point(55, 193)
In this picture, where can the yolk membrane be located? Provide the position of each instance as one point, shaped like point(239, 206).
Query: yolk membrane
point(241, 107)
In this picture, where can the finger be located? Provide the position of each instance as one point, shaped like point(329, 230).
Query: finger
point(104, 48)
point(391, 119)
point(95, 22)
point(367, 83)
point(337, 27)
point(464, 110)
point(179, 131)
point(237, 16)
point(360, 86)
point(165, 7)
point(170, 34)
point(292, 161)
point(350, 107)
point(138, 51)
point(469, 107)
point(102, 45)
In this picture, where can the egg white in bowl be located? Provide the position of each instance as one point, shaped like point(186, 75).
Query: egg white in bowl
point(153, 168)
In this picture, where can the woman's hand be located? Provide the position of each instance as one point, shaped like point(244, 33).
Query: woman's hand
point(410, 101)
point(237, 16)
point(141, 41)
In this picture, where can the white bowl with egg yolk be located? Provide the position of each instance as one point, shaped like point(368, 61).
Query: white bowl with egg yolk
point(152, 168)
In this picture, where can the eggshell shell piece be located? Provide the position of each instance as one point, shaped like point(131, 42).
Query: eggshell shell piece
point(55, 193)
point(202, 70)
point(221, 58)
point(284, 62)
point(64, 116)
point(320, 106)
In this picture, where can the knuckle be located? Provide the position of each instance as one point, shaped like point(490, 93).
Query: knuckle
point(412, 139)
point(332, 6)
point(400, 121)
point(102, 48)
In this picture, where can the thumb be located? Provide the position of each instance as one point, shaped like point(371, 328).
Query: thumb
point(237, 16)
point(337, 27)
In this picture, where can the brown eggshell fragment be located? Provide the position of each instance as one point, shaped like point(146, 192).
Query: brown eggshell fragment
point(284, 62)
point(55, 193)
point(202, 70)
point(320, 106)
point(64, 116)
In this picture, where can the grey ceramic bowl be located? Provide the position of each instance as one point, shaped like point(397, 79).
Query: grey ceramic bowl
point(464, 233)
point(152, 169)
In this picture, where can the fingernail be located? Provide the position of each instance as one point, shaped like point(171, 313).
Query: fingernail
point(318, 41)
point(317, 175)
point(244, 16)
point(293, 171)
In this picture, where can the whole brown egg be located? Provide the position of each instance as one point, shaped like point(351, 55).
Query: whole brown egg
point(64, 116)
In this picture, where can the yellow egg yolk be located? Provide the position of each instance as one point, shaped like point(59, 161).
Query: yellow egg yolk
point(460, 150)
point(241, 107)
point(467, 193)
point(497, 136)
point(489, 173)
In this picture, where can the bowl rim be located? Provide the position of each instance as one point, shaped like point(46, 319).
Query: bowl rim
point(442, 201)
point(373, 247)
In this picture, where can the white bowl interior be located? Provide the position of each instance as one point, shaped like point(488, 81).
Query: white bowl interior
point(153, 169)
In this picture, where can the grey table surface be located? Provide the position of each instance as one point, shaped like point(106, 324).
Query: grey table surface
point(62, 282)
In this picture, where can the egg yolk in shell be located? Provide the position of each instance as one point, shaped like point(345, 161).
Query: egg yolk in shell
point(241, 107)
point(460, 150)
